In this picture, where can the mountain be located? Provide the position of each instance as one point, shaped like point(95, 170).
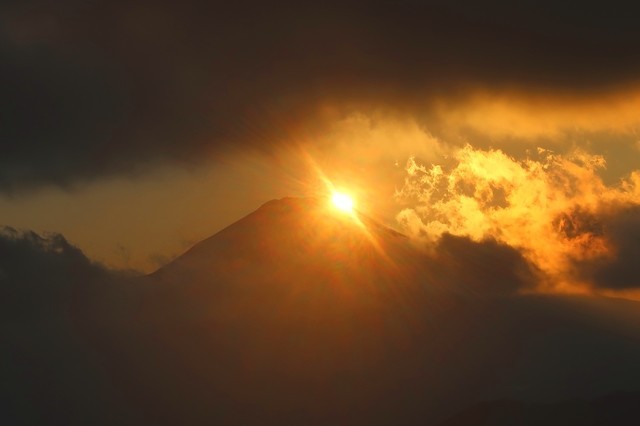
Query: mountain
point(302, 241)
point(300, 314)
point(284, 315)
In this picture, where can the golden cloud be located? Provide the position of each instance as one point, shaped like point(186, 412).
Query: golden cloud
point(548, 206)
point(514, 114)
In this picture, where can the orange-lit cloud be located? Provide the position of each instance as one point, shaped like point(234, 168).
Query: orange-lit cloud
point(526, 114)
point(551, 207)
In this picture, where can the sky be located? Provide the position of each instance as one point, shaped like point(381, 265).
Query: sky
point(137, 128)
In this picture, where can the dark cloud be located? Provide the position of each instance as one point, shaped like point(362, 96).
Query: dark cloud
point(40, 275)
point(94, 88)
point(483, 268)
point(48, 365)
point(620, 229)
point(28, 256)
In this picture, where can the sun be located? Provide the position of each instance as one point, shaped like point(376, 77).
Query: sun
point(342, 202)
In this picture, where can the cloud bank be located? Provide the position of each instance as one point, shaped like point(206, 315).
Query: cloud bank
point(39, 275)
point(101, 88)
point(554, 209)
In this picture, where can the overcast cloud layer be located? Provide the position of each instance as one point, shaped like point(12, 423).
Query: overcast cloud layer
point(97, 88)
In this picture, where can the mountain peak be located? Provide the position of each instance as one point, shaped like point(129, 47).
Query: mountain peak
point(290, 202)
point(289, 233)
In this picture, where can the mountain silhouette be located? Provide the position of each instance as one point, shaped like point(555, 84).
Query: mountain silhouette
point(301, 314)
point(287, 315)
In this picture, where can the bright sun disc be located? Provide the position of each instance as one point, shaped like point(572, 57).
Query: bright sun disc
point(342, 202)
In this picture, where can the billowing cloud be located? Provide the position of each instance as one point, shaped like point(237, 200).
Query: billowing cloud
point(555, 209)
point(40, 274)
point(619, 270)
point(47, 367)
point(97, 88)
point(28, 256)
point(483, 268)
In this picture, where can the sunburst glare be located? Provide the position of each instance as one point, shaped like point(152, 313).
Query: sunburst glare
point(342, 202)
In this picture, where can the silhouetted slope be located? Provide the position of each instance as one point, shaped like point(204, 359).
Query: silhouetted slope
point(288, 234)
point(295, 313)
